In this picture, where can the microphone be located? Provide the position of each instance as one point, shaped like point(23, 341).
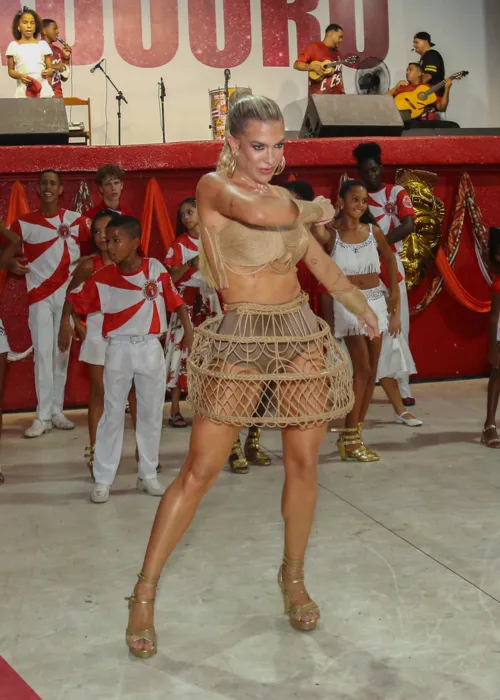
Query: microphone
point(163, 92)
point(227, 74)
point(97, 65)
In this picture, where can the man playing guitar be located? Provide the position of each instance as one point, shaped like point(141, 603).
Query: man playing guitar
point(414, 78)
point(311, 58)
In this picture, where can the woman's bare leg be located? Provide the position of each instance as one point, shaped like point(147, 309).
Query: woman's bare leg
point(357, 346)
point(490, 433)
point(391, 388)
point(300, 456)
point(175, 394)
point(96, 399)
point(208, 452)
point(374, 348)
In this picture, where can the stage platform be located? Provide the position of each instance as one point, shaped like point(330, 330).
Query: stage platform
point(447, 339)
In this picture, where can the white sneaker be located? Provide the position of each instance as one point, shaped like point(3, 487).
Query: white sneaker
point(100, 493)
point(151, 486)
point(407, 419)
point(37, 428)
point(60, 421)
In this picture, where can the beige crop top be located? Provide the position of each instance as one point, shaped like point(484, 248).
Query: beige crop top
point(242, 245)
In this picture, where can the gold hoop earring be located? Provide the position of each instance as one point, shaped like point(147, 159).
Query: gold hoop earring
point(232, 166)
point(280, 167)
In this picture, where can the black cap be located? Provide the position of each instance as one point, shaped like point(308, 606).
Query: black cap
point(425, 36)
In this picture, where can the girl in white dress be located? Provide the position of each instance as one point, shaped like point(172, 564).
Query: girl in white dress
point(28, 58)
point(357, 250)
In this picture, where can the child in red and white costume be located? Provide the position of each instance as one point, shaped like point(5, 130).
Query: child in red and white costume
point(134, 295)
point(393, 211)
point(53, 240)
point(201, 301)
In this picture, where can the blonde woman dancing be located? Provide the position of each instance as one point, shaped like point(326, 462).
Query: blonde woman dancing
point(268, 361)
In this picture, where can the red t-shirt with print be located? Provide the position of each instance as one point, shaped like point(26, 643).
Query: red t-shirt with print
point(332, 84)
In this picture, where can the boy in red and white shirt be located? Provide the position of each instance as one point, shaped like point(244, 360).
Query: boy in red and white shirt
point(53, 239)
point(393, 211)
point(134, 294)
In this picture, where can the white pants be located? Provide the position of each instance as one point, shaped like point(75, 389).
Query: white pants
point(404, 381)
point(139, 360)
point(51, 366)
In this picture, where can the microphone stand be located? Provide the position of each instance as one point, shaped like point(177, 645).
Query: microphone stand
point(163, 94)
point(121, 98)
point(227, 78)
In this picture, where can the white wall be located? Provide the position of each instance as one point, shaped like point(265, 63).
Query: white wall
point(465, 31)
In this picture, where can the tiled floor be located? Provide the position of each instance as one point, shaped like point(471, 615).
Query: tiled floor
point(404, 561)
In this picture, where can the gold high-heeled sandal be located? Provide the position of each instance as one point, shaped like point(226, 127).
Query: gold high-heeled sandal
point(89, 456)
point(360, 433)
point(253, 451)
point(296, 612)
point(237, 462)
point(147, 635)
point(361, 454)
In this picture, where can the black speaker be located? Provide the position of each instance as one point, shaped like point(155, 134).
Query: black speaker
point(351, 115)
point(33, 121)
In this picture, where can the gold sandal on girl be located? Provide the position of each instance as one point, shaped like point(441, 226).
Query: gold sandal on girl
point(237, 460)
point(352, 436)
point(147, 635)
point(254, 454)
point(297, 612)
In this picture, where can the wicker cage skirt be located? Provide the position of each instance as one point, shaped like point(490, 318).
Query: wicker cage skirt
point(268, 365)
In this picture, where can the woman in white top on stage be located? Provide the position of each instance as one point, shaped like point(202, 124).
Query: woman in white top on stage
point(29, 59)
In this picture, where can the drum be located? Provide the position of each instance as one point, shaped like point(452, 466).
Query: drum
point(218, 112)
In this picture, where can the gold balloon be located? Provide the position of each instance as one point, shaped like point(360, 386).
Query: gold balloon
point(420, 248)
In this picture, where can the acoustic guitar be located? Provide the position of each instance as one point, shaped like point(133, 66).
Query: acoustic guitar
point(415, 102)
point(329, 66)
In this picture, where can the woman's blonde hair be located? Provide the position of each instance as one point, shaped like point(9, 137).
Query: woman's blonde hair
point(248, 107)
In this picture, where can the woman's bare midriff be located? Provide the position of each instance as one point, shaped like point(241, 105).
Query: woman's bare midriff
point(262, 287)
point(369, 281)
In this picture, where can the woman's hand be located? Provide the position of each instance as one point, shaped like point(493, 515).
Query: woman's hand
point(188, 340)
point(18, 267)
point(395, 324)
point(81, 329)
point(47, 73)
point(66, 335)
point(24, 79)
point(393, 302)
point(328, 212)
point(369, 322)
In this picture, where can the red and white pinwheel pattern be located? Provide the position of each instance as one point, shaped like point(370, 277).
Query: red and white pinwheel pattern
point(389, 206)
point(134, 304)
point(50, 246)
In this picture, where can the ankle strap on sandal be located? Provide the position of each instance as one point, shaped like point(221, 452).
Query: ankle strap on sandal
point(293, 563)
